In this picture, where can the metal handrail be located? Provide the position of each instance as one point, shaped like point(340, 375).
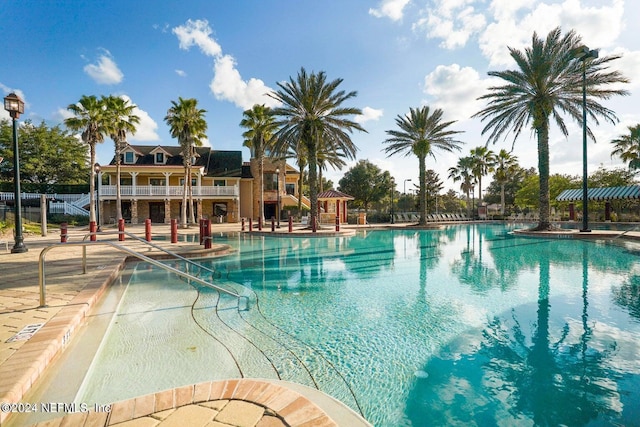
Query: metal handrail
point(84, 244)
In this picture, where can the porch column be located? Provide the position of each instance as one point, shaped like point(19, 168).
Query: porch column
point(199, 213)
point(134, 183)
point(166, 185)
point(134, 211)
point(338, 210)
point(167, 211)
point(344, 211)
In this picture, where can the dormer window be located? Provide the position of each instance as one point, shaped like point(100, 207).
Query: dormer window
point(159, 158)
point(129, 157)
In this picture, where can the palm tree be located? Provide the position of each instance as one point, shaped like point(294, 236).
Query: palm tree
point(483, 161)
point(312, 117)
point(420, 133)
point(261, 125)
point(505, 166)
point(462, 171)
point(121, 120)
point(89, 118)
point(187, 124)
point(547, 83)
point(627, 147)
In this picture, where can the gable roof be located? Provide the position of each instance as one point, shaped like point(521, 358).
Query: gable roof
point(334, 194)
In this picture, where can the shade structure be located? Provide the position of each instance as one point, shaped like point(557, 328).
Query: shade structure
point(601, 193)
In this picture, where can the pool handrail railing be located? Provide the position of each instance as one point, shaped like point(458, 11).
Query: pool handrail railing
point(84, 244)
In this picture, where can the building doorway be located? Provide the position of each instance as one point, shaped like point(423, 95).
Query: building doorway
point(156, 212)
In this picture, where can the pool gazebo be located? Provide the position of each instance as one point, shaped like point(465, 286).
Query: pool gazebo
point(600, 194)
point(334, 205)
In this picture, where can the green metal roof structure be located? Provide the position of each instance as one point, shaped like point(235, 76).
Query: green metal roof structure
point(601, 194)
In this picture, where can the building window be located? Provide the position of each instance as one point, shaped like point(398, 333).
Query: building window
point(219, 182)
point(126, 181)
point(156, 181)
point(270, 181)
point(159, 158)
point(291, 189)
point(128, 157)
point(194, 182)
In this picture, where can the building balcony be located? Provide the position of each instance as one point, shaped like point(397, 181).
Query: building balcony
point(170, 191)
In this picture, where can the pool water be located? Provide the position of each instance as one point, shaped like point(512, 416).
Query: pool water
point(466, 325)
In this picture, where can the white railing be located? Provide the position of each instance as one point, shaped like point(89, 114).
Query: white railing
point(173, 190)
point(67, 209)
point(61, 197)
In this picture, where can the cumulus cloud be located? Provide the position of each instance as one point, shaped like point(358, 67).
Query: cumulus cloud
point(455, 90)
point(105, 71)
point(227, 83)
point(629, 65)
point(392, 9)
point(368, 114)
point(147, 129)
point(181, 73)
point(452, 21)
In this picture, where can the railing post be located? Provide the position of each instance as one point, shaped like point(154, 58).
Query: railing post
point(147, 229)
point(64, 232)
point(201, 230)
point(250, 224)
point(174, 230)
point(260, 223)
point(314, 225)
point(337, 223)
point(273, 224)
point(242, 229)
point(121, 230)
point(207, 238)
point(290, 224)
point(92, 230)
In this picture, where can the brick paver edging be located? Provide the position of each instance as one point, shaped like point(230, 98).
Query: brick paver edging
point(290, 407)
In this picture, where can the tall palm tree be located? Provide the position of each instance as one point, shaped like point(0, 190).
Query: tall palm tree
point(627, 147)
point(89, 118)
point(483, 161)
point(463, 172)
point(420, 133)
point(312, 116)
point(261, 126)
point(505, 166)
point(547, 83)
point(121, 120)
point(187, 124)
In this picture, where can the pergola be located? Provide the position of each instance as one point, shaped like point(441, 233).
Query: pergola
point(600, 194)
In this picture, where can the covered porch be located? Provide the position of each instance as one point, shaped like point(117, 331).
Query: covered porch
point(334, 205)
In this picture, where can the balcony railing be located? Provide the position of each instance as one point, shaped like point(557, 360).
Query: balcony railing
point(171, 191)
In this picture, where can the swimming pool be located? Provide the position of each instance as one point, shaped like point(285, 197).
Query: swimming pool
point(466, 325)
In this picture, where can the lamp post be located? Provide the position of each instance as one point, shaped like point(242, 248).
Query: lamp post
point(393, 185)
point(583, 53)
point(278, 197)
point(15, 106)
point(96, 169)
point(405, 186)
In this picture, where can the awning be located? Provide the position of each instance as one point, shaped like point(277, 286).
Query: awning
point(601, 193)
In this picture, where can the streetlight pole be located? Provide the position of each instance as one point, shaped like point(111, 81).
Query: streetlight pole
point(278, 196)
point(15, 106)
point(393, 185)
point(405, 186)
point(582, 54)
point(96, 169)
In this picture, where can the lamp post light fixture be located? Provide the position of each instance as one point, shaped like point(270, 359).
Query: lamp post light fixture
point(96, 169)
point(405, 186)
point(393, 185)
point(278, 197)
point(583, 53)
point(15, 106)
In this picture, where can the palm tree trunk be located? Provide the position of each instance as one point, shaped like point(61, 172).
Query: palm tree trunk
point(313, 178)
point(543, 169)
point(183, 213)
point(261, 184)
point(192, 217)
point(422, 203)
point(118, 191)
point(502, 199)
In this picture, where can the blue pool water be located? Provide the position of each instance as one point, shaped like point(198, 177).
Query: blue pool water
point(467, 325)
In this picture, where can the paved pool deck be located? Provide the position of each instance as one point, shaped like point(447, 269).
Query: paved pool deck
point(70, 296)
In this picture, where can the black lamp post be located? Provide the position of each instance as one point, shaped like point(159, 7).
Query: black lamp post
point(15, 106)
point(96, 169)
point(278, 197)
point(582, 54)
point(393, 185)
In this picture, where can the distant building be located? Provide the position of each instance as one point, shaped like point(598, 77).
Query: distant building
point(224, 188)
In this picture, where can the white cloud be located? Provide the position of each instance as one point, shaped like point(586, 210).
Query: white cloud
point(368, 114)
point(455, 90)
point(146, 130)
point(453, 21)
point(181, 73)
point(227, 83)
point(105, 71)
point(62, 114)
point(392, 9)
point(628, 65)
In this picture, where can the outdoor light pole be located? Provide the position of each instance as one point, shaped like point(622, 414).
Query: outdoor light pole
point(405, 186)
point(278, 196)
point(393, 184)
point(96, 169)
point(15, 106)
point(582, 54)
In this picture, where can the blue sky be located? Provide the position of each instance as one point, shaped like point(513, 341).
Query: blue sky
point(396, 54)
